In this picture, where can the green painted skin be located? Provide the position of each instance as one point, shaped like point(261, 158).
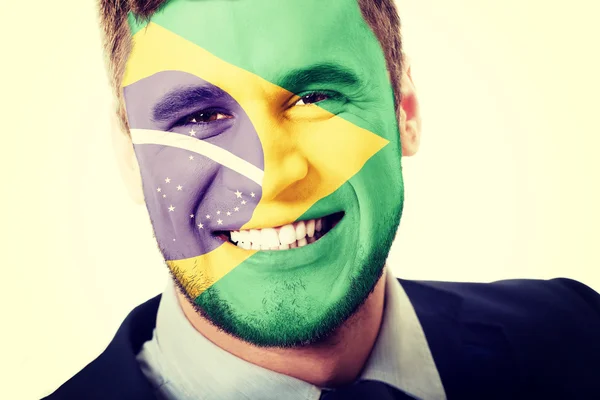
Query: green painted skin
point(276, 298)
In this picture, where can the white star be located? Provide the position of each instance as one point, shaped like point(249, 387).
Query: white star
point(200, 226)
point(207, 216)
point(171, 208)
point(238, 194)
point(228, 213)
point(158, 190)
point(192, 133)
point(173, 239)
point(236, 209)
point(168, 180)
point(191, 215)
point(252, 194)
point(164, 195)
point(179, 187)
point(191, 157)
point(218, 212)
point(220, 222)
point(243, 201)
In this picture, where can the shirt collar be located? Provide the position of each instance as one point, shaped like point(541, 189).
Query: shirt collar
point(185, 362)
point(401, 356)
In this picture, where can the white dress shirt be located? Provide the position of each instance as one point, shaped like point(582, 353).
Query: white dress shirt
point(183, 365)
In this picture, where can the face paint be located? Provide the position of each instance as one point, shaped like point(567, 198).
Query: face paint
point(212, 92)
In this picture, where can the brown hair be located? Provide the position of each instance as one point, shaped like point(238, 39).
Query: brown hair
point(381, 15)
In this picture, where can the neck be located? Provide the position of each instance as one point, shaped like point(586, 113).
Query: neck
point(336, 361)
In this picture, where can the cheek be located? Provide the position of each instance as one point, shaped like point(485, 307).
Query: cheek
point(193, 186)
point(189, 196)
point(379, 190)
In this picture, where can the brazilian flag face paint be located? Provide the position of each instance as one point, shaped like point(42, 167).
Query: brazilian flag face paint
point(256, 114)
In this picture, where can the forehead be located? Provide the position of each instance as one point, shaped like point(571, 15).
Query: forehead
point(269, 37)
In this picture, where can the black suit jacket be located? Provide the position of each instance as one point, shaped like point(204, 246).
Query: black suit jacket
point(512, 339)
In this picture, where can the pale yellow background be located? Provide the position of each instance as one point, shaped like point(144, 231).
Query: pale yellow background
point(505, 185)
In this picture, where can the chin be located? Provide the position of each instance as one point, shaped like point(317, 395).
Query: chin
point(295, 322)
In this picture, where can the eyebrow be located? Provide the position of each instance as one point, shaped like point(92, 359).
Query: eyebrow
point(318, 74)
point(180, 99)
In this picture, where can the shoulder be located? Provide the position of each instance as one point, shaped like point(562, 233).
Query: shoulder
point(545, 334)
point(516, 297)
point(529, 303)
point(116, 374)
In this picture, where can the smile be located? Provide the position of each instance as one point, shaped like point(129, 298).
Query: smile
point(289, 236)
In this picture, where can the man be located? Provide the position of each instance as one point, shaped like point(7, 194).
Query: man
point(268, 137)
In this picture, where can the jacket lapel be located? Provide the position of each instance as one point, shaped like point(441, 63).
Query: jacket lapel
point(470, 349)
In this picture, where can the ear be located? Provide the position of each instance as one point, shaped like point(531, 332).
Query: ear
point(410, 116)
point(126, 160)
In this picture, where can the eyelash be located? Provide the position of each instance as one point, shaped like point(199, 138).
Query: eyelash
point(330, 95)
point(189, 119)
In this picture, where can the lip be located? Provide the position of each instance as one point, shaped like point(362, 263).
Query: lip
point(317, 254)
point(232, 227)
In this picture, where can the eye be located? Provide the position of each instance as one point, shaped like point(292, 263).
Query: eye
point(204, 116)
point(204, 123)
point(312, 98)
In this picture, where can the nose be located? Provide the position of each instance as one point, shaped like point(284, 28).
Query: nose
point(285, 168)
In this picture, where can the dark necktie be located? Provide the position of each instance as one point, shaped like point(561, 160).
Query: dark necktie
point(365, 390)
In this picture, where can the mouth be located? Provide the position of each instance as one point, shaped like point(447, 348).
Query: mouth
point(289, 236)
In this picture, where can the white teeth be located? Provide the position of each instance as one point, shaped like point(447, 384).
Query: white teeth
point(300, 229)
point(287, 234)
point(310, 228)
point(255, 236)
point(244, 236)
point(270, 237)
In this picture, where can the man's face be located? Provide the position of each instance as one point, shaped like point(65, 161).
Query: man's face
point(248, 116)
